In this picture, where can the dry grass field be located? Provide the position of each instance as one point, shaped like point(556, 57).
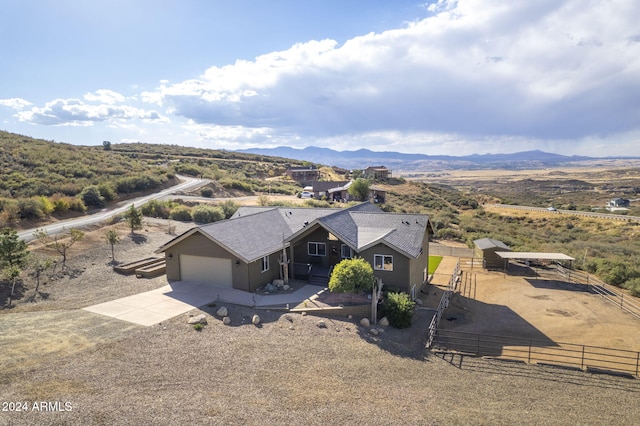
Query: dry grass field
point(94, 370)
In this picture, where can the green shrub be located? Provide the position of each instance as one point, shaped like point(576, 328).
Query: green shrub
point(398, 309)
point(206, 214)
point(155, 208)
point(198, 327)
point(228, 208)
point(206, 191)
point(351, 275)
point(181, 213)
point(91, 197)
point(107, 192)
point(633, 285)
point(30, 209)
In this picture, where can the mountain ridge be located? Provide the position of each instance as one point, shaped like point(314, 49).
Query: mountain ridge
point(364, 157)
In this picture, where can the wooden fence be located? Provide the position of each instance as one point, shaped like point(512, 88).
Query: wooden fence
point(444, 303)
point(543, 352)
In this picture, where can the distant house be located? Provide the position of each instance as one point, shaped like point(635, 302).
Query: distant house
point(303, 174)
point(245, 252)
point(377, 172)
point(619, 202)
point(322, 188)
point(486, 248)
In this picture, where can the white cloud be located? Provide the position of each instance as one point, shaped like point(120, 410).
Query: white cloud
point(104, 96)
point(476, 68)
point(74, 112)
point(15, 103)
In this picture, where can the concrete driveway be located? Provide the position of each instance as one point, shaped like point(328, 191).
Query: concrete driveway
point(153, 307)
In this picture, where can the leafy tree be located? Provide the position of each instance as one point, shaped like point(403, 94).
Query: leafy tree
point(58, 243)
point(206, 191)
point(133, 217)
point(112, 238)
point(106, 145)
point(359, 189)
point(13, 250)
point(13, 256)
point(351, 275)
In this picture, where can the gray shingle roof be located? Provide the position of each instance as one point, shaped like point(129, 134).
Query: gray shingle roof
point(254, 232)
point(487, 243)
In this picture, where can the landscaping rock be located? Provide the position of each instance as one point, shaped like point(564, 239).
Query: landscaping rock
point(322, 324)
point(418, 301)
point(374, 331)
point(384, 322)
point(278, 283)
point(365, 322)
point(199, 319)
point(222, 312)
point(255, 320)
point(226, 320)
point(270, 288)
point(286, 287)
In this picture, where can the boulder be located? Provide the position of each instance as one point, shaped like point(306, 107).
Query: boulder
point(286, 287)
point(322, 324)
point(199, 319)
point(222, 312)
point(270, 288)
point(365, 322)
point(384, 322)
point(226, 320)
point(278, 283)
point(374, 331)
point(255, 320)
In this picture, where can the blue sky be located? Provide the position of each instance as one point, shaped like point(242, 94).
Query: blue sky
point(442, 77)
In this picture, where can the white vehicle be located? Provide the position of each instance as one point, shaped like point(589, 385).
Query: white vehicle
point(306, 194)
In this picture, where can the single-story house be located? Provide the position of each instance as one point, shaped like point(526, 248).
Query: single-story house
point(321, 188)
point(486, 248)
point(246, 251)
point(377, 172)
point(303, 174)
point(619, 202)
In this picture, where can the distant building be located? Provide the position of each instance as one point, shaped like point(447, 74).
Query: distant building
point(619, 202)
point(377, 172)
point(303, 174)
point(486, 248)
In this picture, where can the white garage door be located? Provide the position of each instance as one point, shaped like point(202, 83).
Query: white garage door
point(207, 270)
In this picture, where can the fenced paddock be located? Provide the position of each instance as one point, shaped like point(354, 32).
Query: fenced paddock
point(568, 355)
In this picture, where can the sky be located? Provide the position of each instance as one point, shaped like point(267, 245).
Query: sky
point(444, 77)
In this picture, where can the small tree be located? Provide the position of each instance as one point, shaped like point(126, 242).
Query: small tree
point(134, 218)
point(39, 264)
point(359, 189)
point(13, 250)
point(60, 244)
point(112, 238)
point(351, 275)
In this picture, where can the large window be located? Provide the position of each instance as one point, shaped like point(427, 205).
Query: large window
point(382, 262)
point(265, 263)
point(346, 252)
point(317, 249)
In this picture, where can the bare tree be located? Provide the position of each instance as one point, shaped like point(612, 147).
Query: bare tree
point(60, 244)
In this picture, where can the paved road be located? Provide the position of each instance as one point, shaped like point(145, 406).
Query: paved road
point(62, 226)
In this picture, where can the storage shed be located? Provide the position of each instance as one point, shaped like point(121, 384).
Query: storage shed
point(486, 248)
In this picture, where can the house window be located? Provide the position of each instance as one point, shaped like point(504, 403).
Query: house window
point(265, 263)
point(317, 249)
point(346, 252)
point(383, 262)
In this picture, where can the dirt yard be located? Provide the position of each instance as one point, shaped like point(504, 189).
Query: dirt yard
point(63, 365)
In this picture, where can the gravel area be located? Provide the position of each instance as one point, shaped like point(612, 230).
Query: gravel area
point(94, 370)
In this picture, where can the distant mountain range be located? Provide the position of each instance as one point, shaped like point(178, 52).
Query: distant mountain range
point(363, 158)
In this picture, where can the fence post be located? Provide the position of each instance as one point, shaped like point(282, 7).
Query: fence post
point(582, 366)
point(621, 301)
point(478, 348)
point(529, 356)
point(638, 365)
